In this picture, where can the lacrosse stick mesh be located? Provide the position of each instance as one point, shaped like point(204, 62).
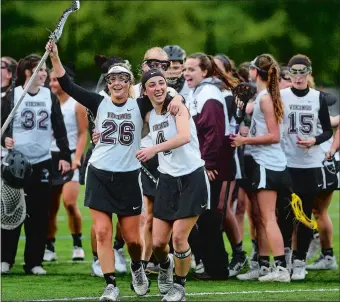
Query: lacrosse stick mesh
point(13, 207)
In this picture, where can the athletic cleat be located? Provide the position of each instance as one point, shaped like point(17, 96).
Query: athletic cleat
point(111, 293)
point(78, 253)
point(152, 268)
point(140, 282)
point(314, 246)
point(199, 268)
point(50, 256)
point(237, 263)
point(323, 263)
point(288, 257)
point(299, 270)
point(120, 261)
point(165, 277)
point(96, 269)
point(37, 270)
point(5, 267)
point(176, 293)
point(254, 273)
point(278, 274)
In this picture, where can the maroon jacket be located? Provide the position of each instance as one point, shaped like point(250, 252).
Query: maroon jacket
point(210, 125)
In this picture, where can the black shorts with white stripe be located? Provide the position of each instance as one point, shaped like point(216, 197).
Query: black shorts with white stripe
point(114, 192)
point(265, 179)
point(183, 196)
point(331, 181)
point(307, 181)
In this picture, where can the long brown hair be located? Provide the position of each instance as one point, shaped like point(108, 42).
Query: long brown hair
point(207, 63)
point(268, 71)
point(12, 66)
point(27, 63)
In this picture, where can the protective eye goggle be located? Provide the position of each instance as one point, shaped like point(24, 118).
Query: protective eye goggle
point(120, 77)
point(158, 64)
point(300, 71)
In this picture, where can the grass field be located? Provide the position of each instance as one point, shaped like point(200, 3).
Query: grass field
point(67, 281)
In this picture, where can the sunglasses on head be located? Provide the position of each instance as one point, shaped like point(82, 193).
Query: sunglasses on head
point(300, 71)
point(120, 77)
point(158, 64)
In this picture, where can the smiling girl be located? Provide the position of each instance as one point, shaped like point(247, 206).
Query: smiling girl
point(183, 186)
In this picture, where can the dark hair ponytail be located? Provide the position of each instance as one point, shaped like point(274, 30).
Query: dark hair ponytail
point(27, 63)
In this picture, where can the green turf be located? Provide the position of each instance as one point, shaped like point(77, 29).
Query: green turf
point(73, 280)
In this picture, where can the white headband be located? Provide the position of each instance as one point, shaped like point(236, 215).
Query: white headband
point(119, 69)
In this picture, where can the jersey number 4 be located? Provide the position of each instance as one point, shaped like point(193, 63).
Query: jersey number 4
point(161, 139)
point(305, 121)
point(125, 132)
point(29, 119)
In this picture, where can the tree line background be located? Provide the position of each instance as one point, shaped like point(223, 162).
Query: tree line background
point(240, 29)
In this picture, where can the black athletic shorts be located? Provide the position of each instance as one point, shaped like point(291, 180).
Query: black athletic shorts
point(57, 178)
point(85, 161)
point(307, 181)
point(149, 187)
point(246, 172)
point(265, 179)
point(183, 196)
point(331, 181)
point(114, 192)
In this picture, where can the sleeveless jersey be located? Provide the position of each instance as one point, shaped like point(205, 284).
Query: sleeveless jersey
point(68, 110)
point(120, 129)
point(32, 128)
point(301, 120)
point(180, 161)
point(270, 156)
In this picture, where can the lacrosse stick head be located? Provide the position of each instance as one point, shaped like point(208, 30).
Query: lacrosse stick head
point(15, 169)
point(13, 206)
point(244, 92)
point(55, 36)
point(296, 204)
point(331, 165)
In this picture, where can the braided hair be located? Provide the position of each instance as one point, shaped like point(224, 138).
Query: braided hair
point(268, 71)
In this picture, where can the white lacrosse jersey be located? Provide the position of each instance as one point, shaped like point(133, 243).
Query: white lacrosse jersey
point(301, 120)
point(180, 161)
point(32, 127)
point(68, 110)
point(270, 156)
point(120, 129)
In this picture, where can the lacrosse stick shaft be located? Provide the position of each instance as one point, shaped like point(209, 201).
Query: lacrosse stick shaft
point(11, 115)
point(55, 36)
point(148, 174)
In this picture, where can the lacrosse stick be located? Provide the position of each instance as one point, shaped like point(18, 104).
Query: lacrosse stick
point(243, 92)
point(148, 174)
point(55, 36)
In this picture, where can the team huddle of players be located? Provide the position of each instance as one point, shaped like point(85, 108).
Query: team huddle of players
point(175, 157)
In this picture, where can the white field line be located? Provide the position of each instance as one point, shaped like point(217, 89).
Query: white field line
point(203, 294)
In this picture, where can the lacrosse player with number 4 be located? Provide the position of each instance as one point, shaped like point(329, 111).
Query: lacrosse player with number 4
point(113, 175)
